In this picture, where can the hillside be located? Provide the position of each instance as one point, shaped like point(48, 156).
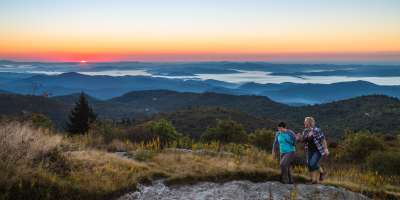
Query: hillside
point(292, 93)
point(323, 93)
point(195, 121)
point(72, 98)
point(192, 111)
point(13, 104)
point(166, 101)
point(3, 92)
point(107, 109)
point(376, 113)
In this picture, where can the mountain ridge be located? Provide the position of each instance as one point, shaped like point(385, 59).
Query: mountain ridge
point(376, 113)
point(107, 87)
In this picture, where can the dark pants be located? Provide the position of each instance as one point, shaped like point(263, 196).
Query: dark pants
point(286, 161)
point(313, 159)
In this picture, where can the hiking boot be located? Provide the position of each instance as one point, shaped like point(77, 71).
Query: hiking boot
point(322, 176)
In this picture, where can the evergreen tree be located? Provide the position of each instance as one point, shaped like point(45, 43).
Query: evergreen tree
point(81, 116)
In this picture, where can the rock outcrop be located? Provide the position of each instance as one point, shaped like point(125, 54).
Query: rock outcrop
point(240, 190)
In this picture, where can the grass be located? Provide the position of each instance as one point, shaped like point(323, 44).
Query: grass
point(39, 164)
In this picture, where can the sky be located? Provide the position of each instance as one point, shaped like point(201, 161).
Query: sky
point(201, 30)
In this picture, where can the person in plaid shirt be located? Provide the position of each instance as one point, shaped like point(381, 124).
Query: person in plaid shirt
point(315, 147)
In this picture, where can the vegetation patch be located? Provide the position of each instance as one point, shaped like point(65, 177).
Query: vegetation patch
point(41, 164)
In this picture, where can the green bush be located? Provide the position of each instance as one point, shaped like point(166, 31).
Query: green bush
point(162, 129)
point(262, 138)
point(226, 131)
point(357, 146)
point(41, 121)
point(385, 163)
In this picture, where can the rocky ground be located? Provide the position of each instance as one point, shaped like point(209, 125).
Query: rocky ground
point(239, 190)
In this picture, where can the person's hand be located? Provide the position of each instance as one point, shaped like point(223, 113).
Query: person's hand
point(273, 155)
point(298, 136)
point(326, 152)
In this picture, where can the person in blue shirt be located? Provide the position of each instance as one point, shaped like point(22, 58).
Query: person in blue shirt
point(285, 144)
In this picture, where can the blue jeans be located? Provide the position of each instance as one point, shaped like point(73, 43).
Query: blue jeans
point(313, 159)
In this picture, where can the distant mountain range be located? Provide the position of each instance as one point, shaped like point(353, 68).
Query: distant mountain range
point(3, 91)
point(292, 93)
point(223, 67)
point(103, 87)
point(107, 87)
point(193, 112)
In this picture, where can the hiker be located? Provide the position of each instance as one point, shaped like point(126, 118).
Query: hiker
point(315, 147)
point(285, 143)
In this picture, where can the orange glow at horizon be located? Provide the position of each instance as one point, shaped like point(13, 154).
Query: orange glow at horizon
point(173, 57)
point(105, 49)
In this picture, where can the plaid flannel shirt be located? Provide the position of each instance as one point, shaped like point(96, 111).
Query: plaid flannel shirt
point(318, 137)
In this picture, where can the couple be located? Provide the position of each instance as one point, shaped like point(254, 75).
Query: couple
point(315, 147)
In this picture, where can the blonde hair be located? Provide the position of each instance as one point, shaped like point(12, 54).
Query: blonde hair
point(310, 121)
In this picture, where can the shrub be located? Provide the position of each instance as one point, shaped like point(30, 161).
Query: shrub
point(226, 131)
point(385, 163)
point(41, 121)
point(184, 142)
point(107, 130)
point(162, 129)
point(262, 138)
point(152, 130)
point(357, 146)
point(54, 161)
point(89, 140)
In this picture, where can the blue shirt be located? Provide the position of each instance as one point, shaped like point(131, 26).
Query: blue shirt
point(286, 141)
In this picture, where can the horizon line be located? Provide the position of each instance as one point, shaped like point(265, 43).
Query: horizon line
point(87, 62)
point(374, 57)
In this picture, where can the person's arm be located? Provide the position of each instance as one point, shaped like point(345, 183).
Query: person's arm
point(275, 146)
point(299, 137)
point(325, 145)
point(305, 135)
point(322, 138)
point(293, 137)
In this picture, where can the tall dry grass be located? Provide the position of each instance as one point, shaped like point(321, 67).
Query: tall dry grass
point(21, 146)
point(40, 164)
point(93, 172)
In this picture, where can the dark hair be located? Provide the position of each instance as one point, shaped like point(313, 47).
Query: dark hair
point(282, 125)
